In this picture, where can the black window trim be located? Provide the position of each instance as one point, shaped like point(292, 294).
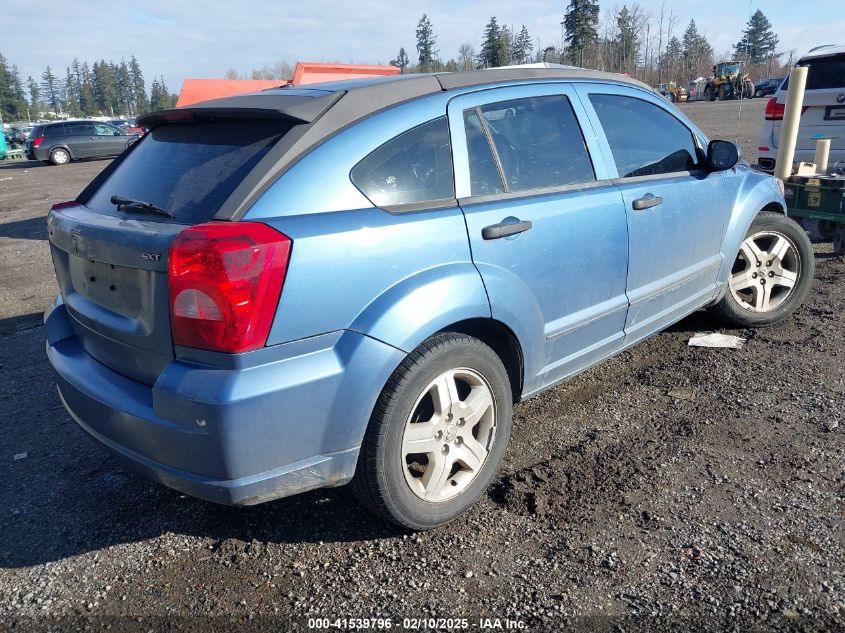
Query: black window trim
point(537, 191)
point(485, 127)
point(423, 205)
point(698, 169)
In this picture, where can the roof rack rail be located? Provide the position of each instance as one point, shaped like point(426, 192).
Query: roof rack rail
point(816, 48)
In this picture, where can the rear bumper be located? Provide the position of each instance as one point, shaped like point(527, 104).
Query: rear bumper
point(237, 430)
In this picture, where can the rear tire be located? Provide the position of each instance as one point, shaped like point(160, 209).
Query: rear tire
point(59, 156)
point(430, 452)
point(758, 94)
point(772, 273)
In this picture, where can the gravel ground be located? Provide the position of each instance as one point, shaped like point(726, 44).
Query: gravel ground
point(669, 488)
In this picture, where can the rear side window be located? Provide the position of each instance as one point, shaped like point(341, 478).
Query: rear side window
point(80, 128)
point(414, 167)
point(538, 142)
point(189, 168)
point(644, 139)
point(54, 131)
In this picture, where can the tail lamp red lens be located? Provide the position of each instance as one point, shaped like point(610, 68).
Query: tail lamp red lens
point(775, 110)
point(225, 280)
point(37, 141)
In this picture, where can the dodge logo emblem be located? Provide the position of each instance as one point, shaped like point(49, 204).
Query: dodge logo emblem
point(840, 98)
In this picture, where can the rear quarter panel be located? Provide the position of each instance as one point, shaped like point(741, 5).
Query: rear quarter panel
point(397, 277)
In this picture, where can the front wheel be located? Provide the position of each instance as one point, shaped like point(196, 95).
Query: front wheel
point(771, 275)
point(437, 434)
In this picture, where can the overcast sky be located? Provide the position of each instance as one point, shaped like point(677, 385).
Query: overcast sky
point(203, 39)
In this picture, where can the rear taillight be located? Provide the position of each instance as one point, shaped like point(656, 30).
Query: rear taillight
point(64, 205)
point(225, 279)
point(774, 110)
point(37, 141)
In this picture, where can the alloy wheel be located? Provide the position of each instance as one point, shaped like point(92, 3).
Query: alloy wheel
point(766, 271)
point(449, 434)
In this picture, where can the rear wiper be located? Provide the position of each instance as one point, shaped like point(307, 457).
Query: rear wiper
point(128, 204)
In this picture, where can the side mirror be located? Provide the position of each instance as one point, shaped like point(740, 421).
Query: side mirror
point(722, 155)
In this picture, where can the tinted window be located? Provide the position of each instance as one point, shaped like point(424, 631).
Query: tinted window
point(539, 142)
point(644, 138)
point(415, 166)
point(189, 168)
point(827, 72)
point(483, 173)
point(54, 131)
point(80, 128)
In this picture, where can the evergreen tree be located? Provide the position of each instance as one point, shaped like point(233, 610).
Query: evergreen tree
point(123, 82)
point(426, 45)
point(52, 90)
point(759, 42)
point(523, 47)
point(138, 87)
point(490, 49)
point(673, 59)
point(34, 97)
point(104, 87)
point(580, 23)
point(505, 46)
point(401, 62)
point(697, 51)
point(70, 94)
point(626, 43)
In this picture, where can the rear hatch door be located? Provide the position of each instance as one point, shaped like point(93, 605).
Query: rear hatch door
point(111, 265)
point(824, 99)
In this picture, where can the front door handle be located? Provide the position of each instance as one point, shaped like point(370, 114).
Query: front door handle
point(495, 231)
point(648, 201)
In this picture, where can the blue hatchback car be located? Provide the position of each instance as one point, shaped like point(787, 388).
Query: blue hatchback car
point(356, 281)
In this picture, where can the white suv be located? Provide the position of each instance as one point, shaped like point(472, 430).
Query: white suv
point(823, 115)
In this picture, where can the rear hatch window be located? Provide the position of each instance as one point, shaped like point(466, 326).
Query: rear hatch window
point(824, 73)
point(189, 169)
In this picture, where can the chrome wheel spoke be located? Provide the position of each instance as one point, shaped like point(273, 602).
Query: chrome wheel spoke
point(762, 297)
point(785, 278)
point(744, 279)
point(446, 393)
point(419, 438)
point(778, 251)
point(437, 474)
point(751, 252)
point(477, 403)
point(471, 453)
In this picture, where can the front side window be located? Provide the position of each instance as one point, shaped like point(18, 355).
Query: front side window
point(644, 139)
point(104, 129)
point(538, 142)
point(414, 167)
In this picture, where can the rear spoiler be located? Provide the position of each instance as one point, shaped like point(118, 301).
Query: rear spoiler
point(295, 107)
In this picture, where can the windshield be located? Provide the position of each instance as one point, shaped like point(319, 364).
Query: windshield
point(189, 169)
point(730, 69)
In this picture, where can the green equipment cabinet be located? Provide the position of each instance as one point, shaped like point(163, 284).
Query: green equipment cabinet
point(820, 198)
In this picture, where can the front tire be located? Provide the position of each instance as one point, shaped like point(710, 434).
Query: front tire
point(437, 435)
point(771, 275)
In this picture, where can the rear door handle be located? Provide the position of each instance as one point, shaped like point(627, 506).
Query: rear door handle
point(495, 231)
point(648, 201)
